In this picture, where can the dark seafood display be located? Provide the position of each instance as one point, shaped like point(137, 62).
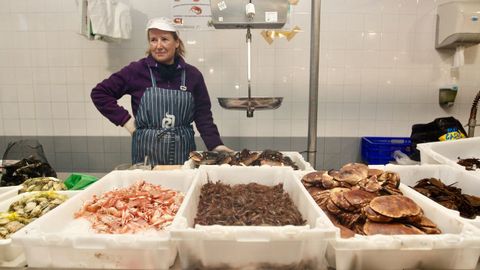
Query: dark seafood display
point(246, 204)
point(359, 200)
point(470, 164)
point(242, 158)
point(449, 196)
point(26, 168)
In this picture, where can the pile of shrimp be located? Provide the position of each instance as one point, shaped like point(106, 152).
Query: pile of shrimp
point(139, 207)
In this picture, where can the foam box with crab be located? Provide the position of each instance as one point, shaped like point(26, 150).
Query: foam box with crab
point(458, 247)
point(240, 247)
point(448, 152)
point(9, 251)
point(61, 241)
point(296, 157)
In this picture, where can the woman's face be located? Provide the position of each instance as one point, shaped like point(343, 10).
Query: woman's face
point(162, 45)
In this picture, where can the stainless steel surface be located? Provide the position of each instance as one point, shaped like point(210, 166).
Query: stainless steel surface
point(232, 14)
point(472, 121)
point(313, 95)
point(250, 104)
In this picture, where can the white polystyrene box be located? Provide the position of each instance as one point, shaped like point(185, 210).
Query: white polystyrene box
point(8, 192)
point(10, 251)
point(448, 152)
point(457, 248)
point(296, 157)
point(62, 241)
point(470, 184)
point(252, 246)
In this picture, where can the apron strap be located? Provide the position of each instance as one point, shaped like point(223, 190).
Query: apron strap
point(154, 83)
point(183, 86)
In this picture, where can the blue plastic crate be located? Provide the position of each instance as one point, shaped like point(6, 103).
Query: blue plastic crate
point(379, 150)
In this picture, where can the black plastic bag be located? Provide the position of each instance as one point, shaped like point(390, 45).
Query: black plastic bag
point(441, 129)
point(31, 163)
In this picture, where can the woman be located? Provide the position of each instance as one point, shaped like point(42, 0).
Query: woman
point(167, 96)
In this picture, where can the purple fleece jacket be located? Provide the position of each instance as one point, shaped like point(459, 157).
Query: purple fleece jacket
point(135, 78)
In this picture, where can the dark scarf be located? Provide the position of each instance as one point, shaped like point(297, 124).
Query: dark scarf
point(168, 71)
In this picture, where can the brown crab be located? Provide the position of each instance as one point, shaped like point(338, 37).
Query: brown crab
point(210, 158)
point(357, 176)
point(361, 200)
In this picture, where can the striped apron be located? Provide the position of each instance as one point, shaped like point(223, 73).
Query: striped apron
point(164, 125)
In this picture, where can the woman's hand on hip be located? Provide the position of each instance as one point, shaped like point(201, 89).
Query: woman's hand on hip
point(222, 148)
point(130, 125)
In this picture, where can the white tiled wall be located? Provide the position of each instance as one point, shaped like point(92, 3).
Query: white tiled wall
point(379, 71)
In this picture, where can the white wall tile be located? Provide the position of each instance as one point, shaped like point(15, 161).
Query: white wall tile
point(41, 76)
point(25, 93)
point(377, 63)
point(94, 127)
point(8, 93)
point(39, 58)
point(57, 75)
point(44, 126)
point(61, 127)
point(9, 110)
point(28, 127)
point(351, 111)
point(350, 128)
point(11, 127)
point(26, 110)
point(265, 128)
point(58, 93)
point(248, 127)
point(60, 111)
point(333, 128)
point(78, 127)
point(6, 22)
point(333, 111)
point(282, 128)
point(43, 111)
point(42, 93)
point(299, 128)
point(354, 40)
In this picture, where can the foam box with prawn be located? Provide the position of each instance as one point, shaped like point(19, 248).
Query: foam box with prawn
point(65, 242)
point(242, 247)
point(458, 247)
point(296, 157)
point(470, 184)
point(10, 251)
point(448, 152)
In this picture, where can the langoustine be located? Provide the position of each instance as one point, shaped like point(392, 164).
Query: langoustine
point(139, 207)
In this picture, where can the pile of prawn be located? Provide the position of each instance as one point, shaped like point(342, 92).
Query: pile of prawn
point(139, 207)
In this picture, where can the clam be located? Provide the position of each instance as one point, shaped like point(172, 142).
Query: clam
point(4, 221)
point(13, 226)
point(29, 207)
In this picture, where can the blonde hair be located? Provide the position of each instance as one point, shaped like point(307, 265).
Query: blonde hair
point(179, 51)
